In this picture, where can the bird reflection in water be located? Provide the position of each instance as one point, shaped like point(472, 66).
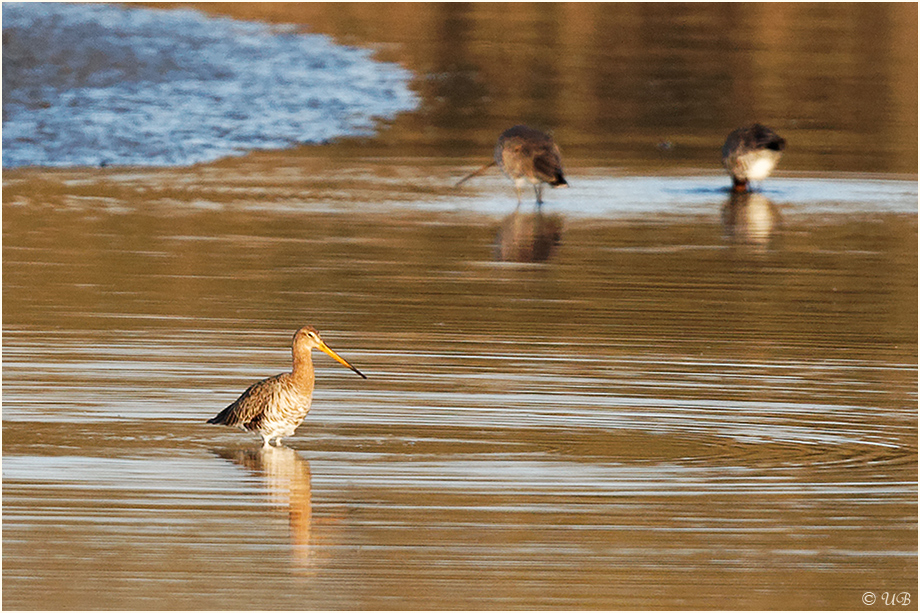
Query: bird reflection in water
point(531, 237)
point(287, 477)
point(750, 218)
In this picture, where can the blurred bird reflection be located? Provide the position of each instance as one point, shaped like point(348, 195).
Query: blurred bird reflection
point(750, 218)
point(531, 237)
point(287, 476)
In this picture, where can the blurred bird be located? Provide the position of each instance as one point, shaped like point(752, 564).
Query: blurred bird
point(274, 407)
point(527, 155)
point(750, 154)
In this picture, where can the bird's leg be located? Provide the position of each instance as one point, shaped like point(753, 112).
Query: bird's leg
point(517, 190)
point(538, 188)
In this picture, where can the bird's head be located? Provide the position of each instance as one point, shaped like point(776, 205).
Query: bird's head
point(308, 338)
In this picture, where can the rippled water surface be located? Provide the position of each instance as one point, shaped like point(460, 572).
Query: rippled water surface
point(653, 395)
point(701, 406)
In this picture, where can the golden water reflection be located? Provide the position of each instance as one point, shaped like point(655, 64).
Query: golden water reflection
point(750, 218)
point(288, 486)
point(615, 80)
point(650, 419)
point(528, 237)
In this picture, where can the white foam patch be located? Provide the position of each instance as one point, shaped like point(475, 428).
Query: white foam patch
point(89, 84)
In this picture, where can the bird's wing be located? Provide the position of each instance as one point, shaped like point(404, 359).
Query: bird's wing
point(765, 138)
point(251, 403)
point(754, 137)
point(547, 163)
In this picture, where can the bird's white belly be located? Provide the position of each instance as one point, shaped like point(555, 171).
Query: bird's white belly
point(287, 412)
point(760, 168)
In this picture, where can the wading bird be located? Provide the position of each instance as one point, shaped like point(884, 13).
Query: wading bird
point(750, 154)
point(274, 407)
point(527, 155)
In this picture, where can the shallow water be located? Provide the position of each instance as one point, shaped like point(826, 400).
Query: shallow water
point(653, 395)
point(687, 405)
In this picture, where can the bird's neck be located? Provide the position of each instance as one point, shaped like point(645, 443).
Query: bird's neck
point(303, 367)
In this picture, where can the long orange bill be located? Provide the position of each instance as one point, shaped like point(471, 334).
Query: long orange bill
point(332, 354)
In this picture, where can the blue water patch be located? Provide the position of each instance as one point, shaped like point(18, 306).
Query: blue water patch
point(613, 196)
point(89, 84)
